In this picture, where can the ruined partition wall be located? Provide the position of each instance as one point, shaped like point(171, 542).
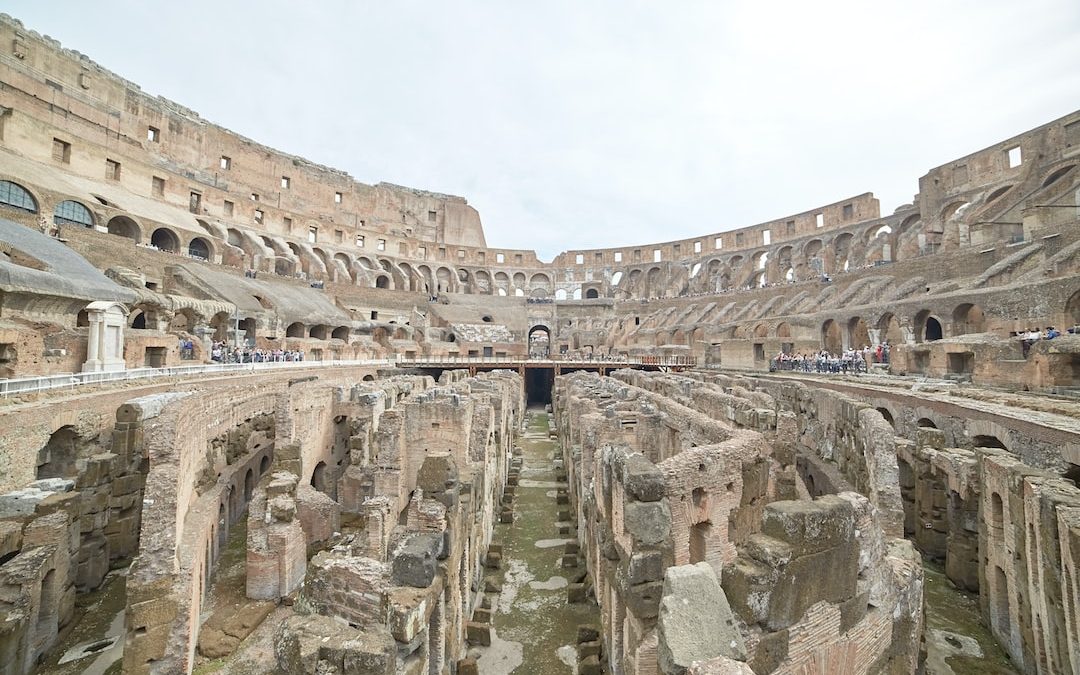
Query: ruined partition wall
point(402, 584)
point(666, 472)
point(391, 484)
point(1002, 521)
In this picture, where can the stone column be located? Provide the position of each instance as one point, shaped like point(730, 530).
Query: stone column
point(105, 346)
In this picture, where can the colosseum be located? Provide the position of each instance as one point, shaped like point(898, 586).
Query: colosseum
point(257, 416)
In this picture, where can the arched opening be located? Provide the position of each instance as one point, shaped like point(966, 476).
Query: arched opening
point(15, 196)
point(890, 330)
point(1053, 177)
point(858, 334)
point(700, 533)
point(122, 226)
point(295, 330)
point(592, 294)
point(138, 320)
point(831, 339)
point(981, 441)
point(248, 326)
point(996, 194)
point(933, 329)
point(341, 333)
point(539, 342)
point(318, 477)
point(925, 423)
point(72, 213)
point(82, 319)
point(264, 464)
point(56, 459)
point(783, 330)
point(560, 294)
point(368, 378)
point(968, 318)
point(887, 416)
point(199, 248)
point(165, 239)
point(997, 511)
point(927, 327)
point(318, 332)
point(249, 485)
point(382, 281)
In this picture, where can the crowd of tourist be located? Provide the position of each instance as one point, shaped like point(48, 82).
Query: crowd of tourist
point(221, 352)
point(849, 361)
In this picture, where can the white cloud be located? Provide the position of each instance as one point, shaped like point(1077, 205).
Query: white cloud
point(574, 125)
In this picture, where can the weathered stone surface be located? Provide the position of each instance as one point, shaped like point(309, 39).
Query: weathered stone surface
point(695, 622)
point(415, 563)
point(643, 480)
point(647, 522)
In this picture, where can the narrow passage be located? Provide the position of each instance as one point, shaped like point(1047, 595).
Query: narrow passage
point(535, 628)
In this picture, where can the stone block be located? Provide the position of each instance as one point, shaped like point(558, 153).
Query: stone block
point(810, 526)
point(643, 480)
point(648, 523)
point(415, 563)
point(695, 622)
point(478, 634)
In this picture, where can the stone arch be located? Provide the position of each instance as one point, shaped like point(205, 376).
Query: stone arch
point(842, 253)
point(927, 327)
point(200, 248)
point(340, 333)
point(483, 282)
point(592, 294)
point(831, 337)
point(783, 330)
point(889, 329)
point(540, 280)
point(71, 212)
point(986, 441)
point(57, 458)
point(296, 330)
point(319, 331)
point(858, 333)
point(382, 281)
point(1053, 175)
point(997, 194)
point(125, 226)
point(444, 278)
point(652, 283)
point(968, 318)
point(164, 239)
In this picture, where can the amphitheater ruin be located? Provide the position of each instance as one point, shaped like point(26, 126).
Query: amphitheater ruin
point(256, 416)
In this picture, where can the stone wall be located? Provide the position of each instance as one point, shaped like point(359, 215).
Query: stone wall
point(659, 482)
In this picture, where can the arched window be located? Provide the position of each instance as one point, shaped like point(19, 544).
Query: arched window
point(592, 294)
point(198, 248)
point(72, 213)
point(16, 196)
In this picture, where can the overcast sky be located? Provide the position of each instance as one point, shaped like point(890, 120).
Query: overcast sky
point(591, 123)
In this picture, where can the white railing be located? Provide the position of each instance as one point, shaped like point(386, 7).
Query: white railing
point(24, 385)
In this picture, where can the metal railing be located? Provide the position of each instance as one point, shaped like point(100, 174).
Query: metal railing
point(25, 385)
point(677, 361)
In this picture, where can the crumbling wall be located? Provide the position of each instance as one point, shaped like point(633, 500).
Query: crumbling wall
point(807, 580)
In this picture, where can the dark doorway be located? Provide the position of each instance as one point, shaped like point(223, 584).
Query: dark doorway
point(538, 383)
